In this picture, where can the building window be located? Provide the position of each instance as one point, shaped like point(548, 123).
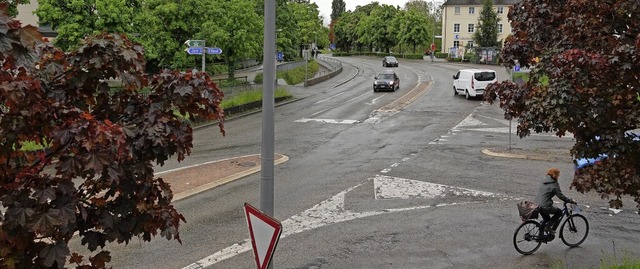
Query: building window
point(472, 10)
point(456, 28)
point(456, 44)
point(500, 28)
point(470, 28)
point(470, 43)
point(456, 10)
point(500, 10)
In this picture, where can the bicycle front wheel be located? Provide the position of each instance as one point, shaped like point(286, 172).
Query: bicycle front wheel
point(525, 239)
point(574, 230)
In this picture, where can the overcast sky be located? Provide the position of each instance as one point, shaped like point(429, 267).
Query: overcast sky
point(325, 6)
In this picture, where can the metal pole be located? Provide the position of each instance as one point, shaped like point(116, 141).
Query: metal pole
point(306, 62)
point(204, 52)
point(433, 39)
point(268, 84)
point(509, 134)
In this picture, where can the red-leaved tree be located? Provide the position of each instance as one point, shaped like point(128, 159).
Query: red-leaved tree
point(94, 179)
point(587, 83)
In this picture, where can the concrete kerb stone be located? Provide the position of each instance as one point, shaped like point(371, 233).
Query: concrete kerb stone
point(537, 155)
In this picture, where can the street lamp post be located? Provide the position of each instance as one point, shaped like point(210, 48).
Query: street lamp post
point(433, 37)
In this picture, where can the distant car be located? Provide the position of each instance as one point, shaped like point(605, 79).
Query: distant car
point(388, 80)
point(389, 61)
point(472, 82)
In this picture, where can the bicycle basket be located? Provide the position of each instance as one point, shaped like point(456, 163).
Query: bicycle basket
point(527, 210)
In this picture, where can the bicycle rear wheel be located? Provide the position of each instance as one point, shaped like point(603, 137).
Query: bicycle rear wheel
point(574, 230)
point(525, 238)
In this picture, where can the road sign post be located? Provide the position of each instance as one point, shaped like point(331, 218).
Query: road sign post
point(265, 232)
point(197, 47)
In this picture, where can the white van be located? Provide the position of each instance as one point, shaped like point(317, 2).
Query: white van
point(472, 82)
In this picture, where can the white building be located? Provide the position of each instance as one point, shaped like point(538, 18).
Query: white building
point(460, 19)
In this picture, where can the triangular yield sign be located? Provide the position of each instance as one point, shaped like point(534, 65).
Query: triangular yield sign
point(265, 232)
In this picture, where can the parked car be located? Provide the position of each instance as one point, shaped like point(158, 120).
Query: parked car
point(388, 61)
point(472, 82)
point(388, 80)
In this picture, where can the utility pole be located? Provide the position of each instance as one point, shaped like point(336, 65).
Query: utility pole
point(433, 37)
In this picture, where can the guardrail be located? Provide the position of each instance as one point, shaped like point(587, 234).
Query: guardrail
point(332, 67)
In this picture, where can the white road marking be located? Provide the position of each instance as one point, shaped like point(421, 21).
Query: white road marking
point(333, 121)
point(332, 211)
point(386, 187)
point(358, 97)
point(329, 98)
point(469, 121)
point(375, 100)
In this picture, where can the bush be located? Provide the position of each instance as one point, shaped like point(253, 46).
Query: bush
point(442, 55)
point(293, 76)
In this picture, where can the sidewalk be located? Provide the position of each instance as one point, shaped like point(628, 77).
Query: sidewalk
point(194, 179)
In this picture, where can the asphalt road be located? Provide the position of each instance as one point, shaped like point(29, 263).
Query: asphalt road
point(375, 183)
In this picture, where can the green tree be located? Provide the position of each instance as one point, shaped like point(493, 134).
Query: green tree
point(74, 20)
point(486, 33)
point(420, 6)
point(344, 31)
point(337, 8)
point(107, 139)
point(375, 29)
point(164, 26)
point(586, 84)
point(238, 41)
point(413, 28)
point(308, 24)
point(12, 8)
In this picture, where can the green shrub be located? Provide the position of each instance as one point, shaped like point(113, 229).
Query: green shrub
point(296, 75)
point(251, 96)
point(442, 55)
point(258, 79)
point(413, 56)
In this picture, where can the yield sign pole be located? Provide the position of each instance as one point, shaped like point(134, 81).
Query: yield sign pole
point(265, 232)
point(268, 104)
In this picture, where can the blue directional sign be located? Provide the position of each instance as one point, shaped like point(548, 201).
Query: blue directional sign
point(280, 56)
point(193, 50)
point(214, 50)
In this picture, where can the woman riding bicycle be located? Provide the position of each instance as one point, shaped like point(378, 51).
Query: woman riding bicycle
point(549, 188)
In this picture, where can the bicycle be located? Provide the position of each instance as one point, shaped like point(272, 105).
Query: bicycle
point(530, 234)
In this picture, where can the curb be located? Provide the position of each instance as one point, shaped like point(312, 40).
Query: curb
point(224, 180)
point(547, 156)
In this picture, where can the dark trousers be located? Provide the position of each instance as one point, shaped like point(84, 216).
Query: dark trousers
point(556, 214)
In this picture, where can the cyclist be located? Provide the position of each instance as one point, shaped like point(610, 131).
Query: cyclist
point(549, 188)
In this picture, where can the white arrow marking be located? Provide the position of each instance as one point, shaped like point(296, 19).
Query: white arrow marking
point(387, 187)
point(332, 211)
point(303, 120)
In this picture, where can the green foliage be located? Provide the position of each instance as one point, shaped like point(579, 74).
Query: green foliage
point(296, 75)
point(248, 97)
point(442, 55)
point(109, 140)
point(337, 8)
point(73, 20)
point(376, 31)
point(413, 28)
point(486, 34)
point(238, 41)
point(590, 53)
